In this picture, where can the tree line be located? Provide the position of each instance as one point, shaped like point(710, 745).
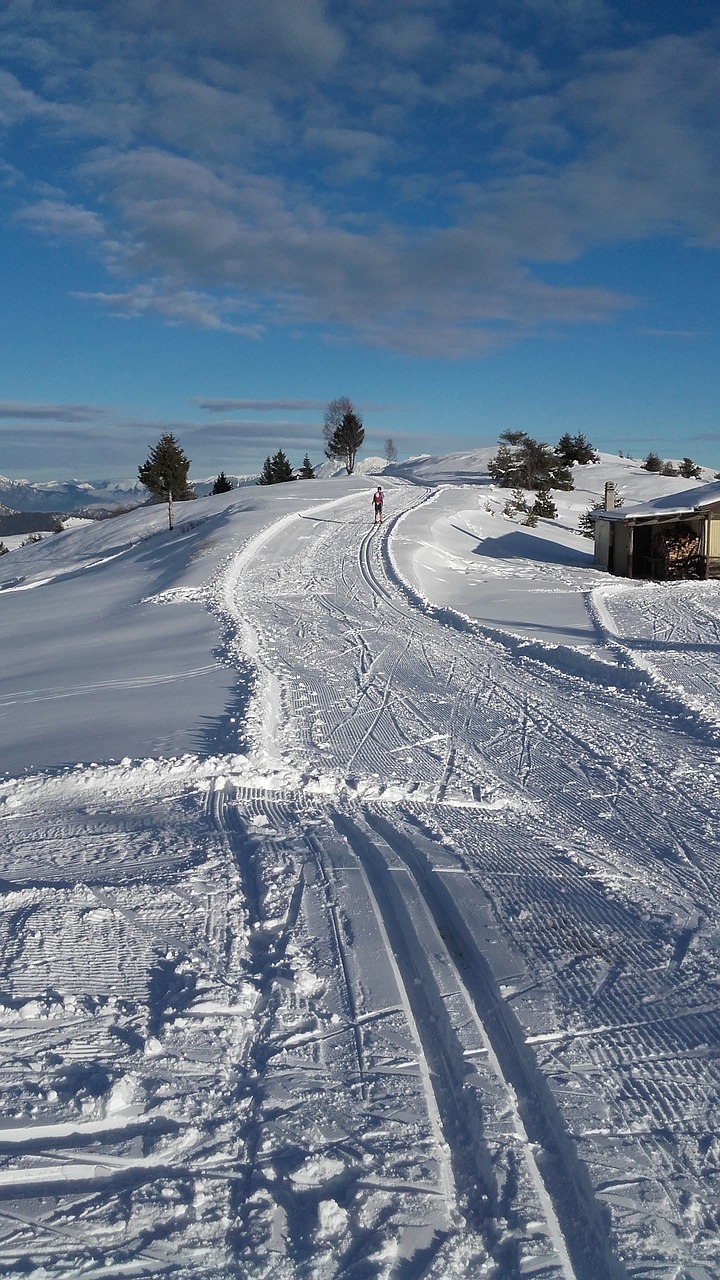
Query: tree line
point(165, 471)
point(688, 469)
point(343, 433)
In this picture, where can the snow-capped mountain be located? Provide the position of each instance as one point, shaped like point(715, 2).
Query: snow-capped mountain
point(68, 495)
point(93, 496)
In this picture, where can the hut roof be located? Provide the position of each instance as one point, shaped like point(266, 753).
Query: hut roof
point(686, 503)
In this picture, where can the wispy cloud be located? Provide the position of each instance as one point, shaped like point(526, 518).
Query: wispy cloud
point(57, 217)
point(63, 413)
point(288, 406)
point(227, 406)
point(177, 307)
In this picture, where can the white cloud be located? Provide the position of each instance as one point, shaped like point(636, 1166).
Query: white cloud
point(176, 307)
point(59, 218)
point(358, 151)
point(406, 179)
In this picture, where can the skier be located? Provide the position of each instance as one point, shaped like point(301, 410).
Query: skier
point(377, 499)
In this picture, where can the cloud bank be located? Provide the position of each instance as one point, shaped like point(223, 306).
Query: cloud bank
point(430, 181)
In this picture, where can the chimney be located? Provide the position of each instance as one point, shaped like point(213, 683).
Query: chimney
point(610, 496)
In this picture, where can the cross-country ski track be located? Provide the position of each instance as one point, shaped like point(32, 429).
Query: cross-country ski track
point(419, 980)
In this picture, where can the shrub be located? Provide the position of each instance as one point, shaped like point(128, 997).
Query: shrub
point(515, 504)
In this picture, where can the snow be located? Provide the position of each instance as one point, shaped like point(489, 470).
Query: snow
point(695, 499)
point(358, 907)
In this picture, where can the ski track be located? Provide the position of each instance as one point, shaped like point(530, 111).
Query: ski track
point(441, 950)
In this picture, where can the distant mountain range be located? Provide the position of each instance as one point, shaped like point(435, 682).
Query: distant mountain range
point(49, 498)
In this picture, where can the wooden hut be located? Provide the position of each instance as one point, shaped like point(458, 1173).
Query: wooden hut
point(675, 536)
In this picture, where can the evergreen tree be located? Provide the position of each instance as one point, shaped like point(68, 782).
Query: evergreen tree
point(669, 469)
point(276, 470)
point(165, 473)
point(544, 506)
point(524, 463)
point(586, 523)
point(266, 475)
point(502, 467)
point(3, 549)
point(222, 484)
point(515, 504)
point(653, 462)
point(689, 470)
point(343, 432)
point(575, 449)
point(307, 470)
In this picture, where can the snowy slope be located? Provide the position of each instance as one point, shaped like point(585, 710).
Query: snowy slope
point(358, 910)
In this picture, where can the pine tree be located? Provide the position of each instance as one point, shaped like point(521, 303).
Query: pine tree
point(544, 505)
point(307, 470)
point(575, 449)
point(586, 523)
point(524, 463)
point(343, 432)
point(653, 462)
point(276, 470)
point(267, 475)
point(689, 470)
point(516, 504)
point(3, 549)
point(222, 484)
point(165, 473)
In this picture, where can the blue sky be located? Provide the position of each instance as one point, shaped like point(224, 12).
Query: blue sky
point(217, 217)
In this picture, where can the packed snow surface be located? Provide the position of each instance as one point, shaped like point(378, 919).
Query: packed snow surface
point(359, 912)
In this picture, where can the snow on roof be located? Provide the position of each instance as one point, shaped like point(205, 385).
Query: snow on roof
point(669, 504)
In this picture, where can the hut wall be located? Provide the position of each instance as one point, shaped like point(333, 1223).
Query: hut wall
point(622, 552)
point(712, 544)
point(603, 532)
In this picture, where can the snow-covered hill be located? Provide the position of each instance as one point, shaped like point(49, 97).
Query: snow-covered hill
point(358, 909)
